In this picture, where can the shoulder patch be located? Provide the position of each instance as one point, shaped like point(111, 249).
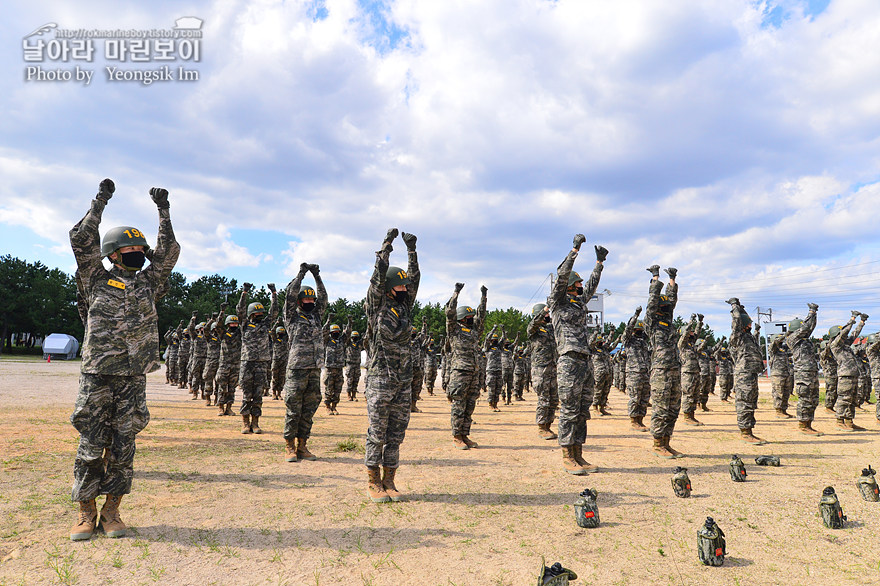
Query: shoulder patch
point(251, 326)
point(394, 311)
point(115, 283)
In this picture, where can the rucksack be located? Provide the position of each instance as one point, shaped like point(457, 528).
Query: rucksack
point(586, 510)
point(737, 469)
point(868, 485)
point(711, 546)
point(829, 508)
point(555, 575)
point(767, 461)
point(681, 484)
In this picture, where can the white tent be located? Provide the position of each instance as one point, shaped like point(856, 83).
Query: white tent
point(63, 346)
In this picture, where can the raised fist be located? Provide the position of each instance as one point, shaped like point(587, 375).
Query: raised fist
point(813, 306)
point(459, 287)
point(733, 301)
point(638, 310)
point(654, 270)
point(391, 235)
point(484, 289)
point(195, 314)
point(106, 190)
point(856, 313)
point(214, 315)
point(700, 316)
point(271, 287)
point(223, 306)
point(410, 240)
point(864, 317)
point(578, 240)
point(247, 286)
point(601, 253)
point(303, 267)
point(160, 197)
point(671, 271)
point(314, 268)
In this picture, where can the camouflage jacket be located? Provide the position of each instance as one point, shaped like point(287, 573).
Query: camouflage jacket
point(664, 342)
point(280, 348)
point(569, 312)
point(520, 361)
point(687, 352)
point(779, 358)
point(493, 351)
point(829, 364)
point(873, 353)
point(334, 349)
point(464, 341)
point(841, 347)
point(744, 346)
point(601, 357)
point(305, 333)
point(122, 329)
point(199, 344)
point(638, 352)
point(418, 346)
point(803, 352)
point(431, 358)
point(230, 343)
point(389, 322)
point(507, 356)
point(725, 364)
point(255, 336)
point(542, 342)
point(353, 351)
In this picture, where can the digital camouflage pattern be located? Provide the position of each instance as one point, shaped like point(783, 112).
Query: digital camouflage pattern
point(542, 348)
point(352, 362)
point(431, 360)
point(464, 359)
point(255, 355)
point(637, 367)
point(690, 369)
point(805, 367)
point(302, 396)
point(847, 370)
point(781, 372)
point(829, 371)
point(602, 371)
point(494, 377)
point(280, 349)
point(725, 371)
point(212, 359)
point(665, 362)
point(747, 364)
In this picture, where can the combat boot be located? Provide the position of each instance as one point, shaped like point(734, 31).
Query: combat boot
point(703, 406)
point(675, 453)
point(636, 423)
point(470, 443)
point(208, 401)
point(691, 420)
point(228, 409)
point(246, 424)
point(806, 428)
point(459, 442)
point(290, 449)
point(111, 522)
point(88, 519)
point(569, 463)
point(577, 452)
point(545, 432)
point(374, 486)
point(222, 411)
point(388, 484)
point(414, 409)
point(661, 450)
point(255, 424)
point(302, 450)
point(328, 408)
point(848, 425)
point(750, 438)
point(603, 411)
point(782, 414)
point(830, 410)
point(195, 395)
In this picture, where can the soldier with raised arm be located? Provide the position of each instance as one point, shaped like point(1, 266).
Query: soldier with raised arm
point(229, 364)
point(492, 348)
point(637, 369)
point(212, 359)
point(690, 371)
point(464, 327)
point(255, 355)
point(334, 362)
point(542, 342)
point(847, 370)
point(805, 367)
point(780, 372)
point(352, 360)
point(725, 369)
point(747, 365)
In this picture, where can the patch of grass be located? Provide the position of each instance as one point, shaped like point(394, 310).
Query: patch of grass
point(62, 565)
point(156, 573)
point(350, 444)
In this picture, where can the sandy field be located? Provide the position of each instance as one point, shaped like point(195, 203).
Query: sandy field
point(212, 506)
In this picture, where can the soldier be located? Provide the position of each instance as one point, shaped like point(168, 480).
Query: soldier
point(212, 360)
point(520, 371)
point(690, 371)
point(431, 359)
point(303, 309)
point(847, 370)
point(747, 365)
point(171, 357)
point(507, 366)
point(334, 361)
point(805, 368)
point(601, 358)
point(568, 309)
point(638, 366)
point(873, 354)
point(444, 367)
point(121, 346)
point(481, 373)
point(352, 361)
point(665, 361)
point(780, 373)
point(864, 374)
point(618, 363)
point(705, 379)
point(829, 371)
point(197, 356)
point(183, 353)
point(419, 345)
point(280, 348)
point(725, 370)
point(464, 327)
point(492, 347)
point(713, 368)
point(390, 299)
point(542, 348)
point(229, 364)
point(255, 357)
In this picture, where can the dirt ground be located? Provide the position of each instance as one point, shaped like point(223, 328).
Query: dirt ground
point(212, 506)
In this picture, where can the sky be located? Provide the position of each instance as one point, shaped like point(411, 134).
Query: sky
point(736, 140)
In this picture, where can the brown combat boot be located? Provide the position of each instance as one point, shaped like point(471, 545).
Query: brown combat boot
point(208, 401)
point(675, 453)
point(290, 449)
point(577, 452)
point(255, 424)
point(195, 395)
point(636, 423)
point(806, 428)
point(302, 450)
point(228, 409)
point(750, 438)
point(569, 463)
point(704, 406)
point(603, 411)
point(246, 424)
point(222, 411)
point(470, 443)
point(88, 519)
point(459, 442)
point(374, 486)
point(545, 432)
point(661, 450)
point(691, 420)
point(388, 484)
point(111, 522)
point(414, 409)
point(782, 414)
point(848, 425)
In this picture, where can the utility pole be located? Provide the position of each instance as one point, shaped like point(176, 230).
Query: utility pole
point(769, 315)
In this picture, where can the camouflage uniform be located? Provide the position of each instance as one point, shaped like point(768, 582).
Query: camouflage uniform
point(302, 389)
point(280, 348)
point(481, 373)
point(829, 371)
point(638, 367)
point(431, 360)
point(574, 368)
point(197, 358)
point(713, 368)
point(781, 372)
point(864, 376)
point(444, 367)
point(183, 352)
point(171, 357)
point(255, 356)
point(873, 354)
point(352, 364)
point(389, 368)
point(520, 372)
point(229, 364)
point(665, 361)
point(494, 377)
point(121, 346)
point(507, 368)
point(212, 360)
point(847, 370)
point(747, 365)
point(542, 344)
point(805, 367)
point(464, 364)
point(705, 378)
point(334, 363)
point(601, 372)
point(725, 371)
point(418, 346)
point(690, 370)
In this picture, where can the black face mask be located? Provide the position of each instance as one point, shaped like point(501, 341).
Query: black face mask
point(401, 296)
point(135, 259)
point(469, 322)
point(308, 307)
point(257, 319)
point(579, 290)
point(547, 320)
point(334, 335)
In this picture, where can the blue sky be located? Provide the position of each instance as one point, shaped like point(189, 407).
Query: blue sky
point(734, 139)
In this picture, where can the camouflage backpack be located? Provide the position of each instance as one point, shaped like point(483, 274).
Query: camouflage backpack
point(681, 484)
point(711, 546)
point(829, 507)
point(586, 510)
point(868, 485)
point(767, 461)
point(737, 469)
point(555, 575)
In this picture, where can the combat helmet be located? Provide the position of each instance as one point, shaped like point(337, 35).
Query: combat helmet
point(795, 324)
point(833, 331)
point(255, 308)
point(306, 293)
point(538, 309)
point(355, 334)
point(279, 330)
point(395, 276)
point(201, 325)
point(231, 319)
point(335, 329)
point(574, 277)
point(120, 237)
point(464, 312)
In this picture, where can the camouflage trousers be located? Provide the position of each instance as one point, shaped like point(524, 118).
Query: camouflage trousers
point(196, 382)
point(548, 393)
point(574, 378)
point(494, 386)
point(864, 390)
point(725, 384)
point(875, 384)
point(781, 391)
point(690, 391)
point(830, 391)
point(603, 386)
point(416, 385)
point(464, 390)
point(352, 376)
point(712, 378)
point(444, 376)
point(507, 383)
point(389, 402)
point(171, 366)
point(638, 387)
point(279, 375)
point(110, 411)
point(481, 378)
point(209, 374)
point(302, 395)
point(519, 383)
point(332, 384)
point(705, 381)
point(183, 368)
point(847, 388)
point(745, 391)
point(252, 380)
point(665, 400)
point(807, 385)
point(227, 380)
point(430, 377)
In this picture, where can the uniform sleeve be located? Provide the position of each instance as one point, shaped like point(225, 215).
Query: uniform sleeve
point(842, 338)
point(557, 293)
point(630, 326)
point(167, 250)
point(653, 306)
point(480, 320)
point(803, 332)
point(415, 276)
point(241, 308)
point(376, 290)
point(593, 282)
point(321, 301)
point(191, 328)
point(273, 309)
point(291, 298)
point(857, 331)
point(86, 243)
point(451, 321)
point(535, 324)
